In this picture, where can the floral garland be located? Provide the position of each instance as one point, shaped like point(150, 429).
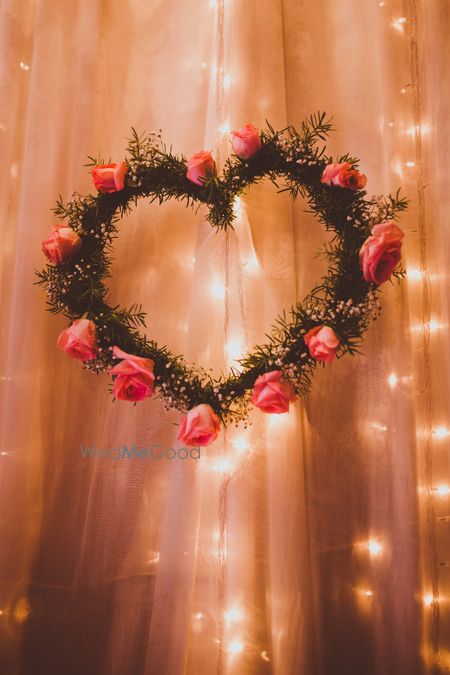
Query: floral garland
point(363, 253)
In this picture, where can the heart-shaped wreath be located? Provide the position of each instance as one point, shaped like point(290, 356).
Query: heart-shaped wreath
point(363, 253)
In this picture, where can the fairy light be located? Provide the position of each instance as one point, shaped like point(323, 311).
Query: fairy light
point(251, 264)
point(240, 443)
point(410, 164)
point(399, 23)
point(441, 432)
point(24, 66)
point(225, 128)
point(392, 380)
point(265, 656)
point(236, 647)
point(367, 593)
point(222, 465)
point(374, 547)
point(234, 348)
point(442, 490)
point(422, 128)
point(413, 274)
point(233, 615)
point(227, 81)
point(217, 290)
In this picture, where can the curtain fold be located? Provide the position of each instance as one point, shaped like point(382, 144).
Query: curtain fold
point(315, 543)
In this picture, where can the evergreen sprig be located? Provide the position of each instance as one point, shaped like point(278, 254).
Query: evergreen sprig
point(294, 161)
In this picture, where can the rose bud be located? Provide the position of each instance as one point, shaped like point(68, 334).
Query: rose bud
point(343, 175)
point(133, 377)
point(79, 340)
point(381, 252)
point(246, 141)
point(272, 393)
point(109, 177)
point(63, 243)
point(322, 343)
point(200, 167)
point(200, 426)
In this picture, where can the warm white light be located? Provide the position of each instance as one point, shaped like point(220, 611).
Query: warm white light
point(398, 24)
point(376, 426)
point(410, 164)
point(222, 465)
point(277, 419)
point(413, 273)
point(441, 432)
point(225, 128)
point(442, 490)
point(422, 128)
point(236, 647)
point(374, 547)
point(251, 264)
point(403, 90)
point(367, 593)
point(240, 443)
point(233, 615)
point(265, 656)
point(428, 599)
point(24, 66)
point(226, 82)
point(3, 452)
point(217, 290)
point(431, 325)
point(392, 380)
point(234, 348)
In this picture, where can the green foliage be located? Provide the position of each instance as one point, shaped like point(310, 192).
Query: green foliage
point(294, 161)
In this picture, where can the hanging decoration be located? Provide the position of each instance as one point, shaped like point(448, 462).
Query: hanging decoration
point(363, 253)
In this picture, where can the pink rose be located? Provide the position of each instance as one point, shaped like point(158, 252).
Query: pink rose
point(322, 343)
point(133, 377)
point(381, 252)
point(272, 393)
point(61, 244)
point(200, 167)
point(246, 141)
point(200, 426)
point(109, 177)
point(344, 176)
point(79, 340)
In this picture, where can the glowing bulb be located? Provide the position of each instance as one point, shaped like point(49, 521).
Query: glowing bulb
point(24, 66)
point(251, 264)
point(414, 274)
point(374, 547)
point(398, 24)
point(441, 432)
point(240, 443)
point(234, 348)
point(392, 380)
point(265, 656)
point(367, 594)
point(225, 128)
point(410, 164)
point(434, 325)
point(442, 490)
point(217, 290)
point(216, 535)
point(3, 452)
point(236, 647)
point(226, 82)
point(234, 614)
point(428, 599)
point(222, 465)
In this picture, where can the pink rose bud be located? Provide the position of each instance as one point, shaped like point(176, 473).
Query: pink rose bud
point(343, 175)
point(322, 343)
point(246, 141)
point(200, 426)
point(109, 177)
point(63, 243)
point(133, 377)
point(200, 167)
point(381, 252)
point(79, 340)
point(272, 393)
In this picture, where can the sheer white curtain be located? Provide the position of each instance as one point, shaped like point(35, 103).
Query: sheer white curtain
point(255, 558)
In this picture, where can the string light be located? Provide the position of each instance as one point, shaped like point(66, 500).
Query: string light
point(234, 348)
point(374, 547)
point(413, 274)
point(442, 490)
point(398, 24)
point(225, 128)
point(265, 656)
point(233, 615)
point(236, 647)
point(240, 443)
point(392, 380)
point(410, 164)
point(441, 432)
point(367, 593)
point(217, 290)
point(251, 264)
point(227, 81)
point(24, 66)
point(222, 465)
